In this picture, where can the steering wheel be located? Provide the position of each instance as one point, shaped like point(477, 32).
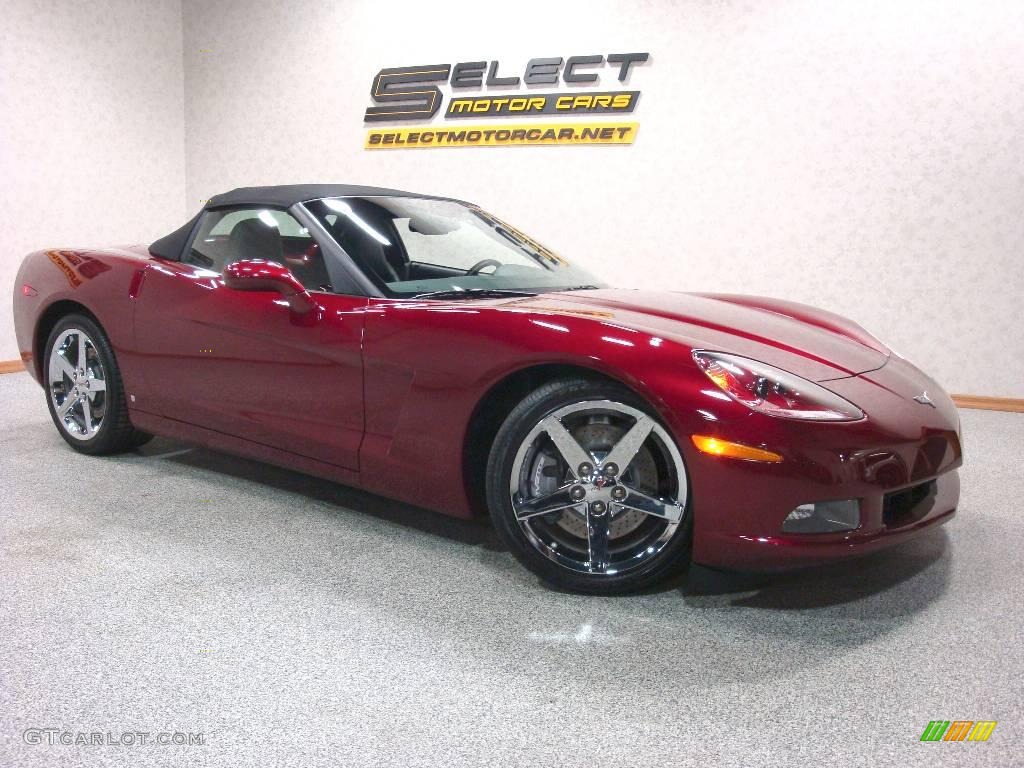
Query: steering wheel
point(475, 269)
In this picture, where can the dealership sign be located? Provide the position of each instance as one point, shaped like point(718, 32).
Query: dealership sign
point(414, 93)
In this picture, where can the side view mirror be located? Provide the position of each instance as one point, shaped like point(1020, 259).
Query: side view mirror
point(260, 275)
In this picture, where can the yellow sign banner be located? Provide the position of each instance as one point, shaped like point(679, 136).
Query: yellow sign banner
point(519, 135)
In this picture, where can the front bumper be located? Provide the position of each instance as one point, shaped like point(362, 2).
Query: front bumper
point(903, 451)
point(747, 551)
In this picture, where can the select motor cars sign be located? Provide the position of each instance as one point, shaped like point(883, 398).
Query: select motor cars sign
point(413, 93)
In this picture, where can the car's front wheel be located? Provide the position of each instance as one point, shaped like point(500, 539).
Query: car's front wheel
point(588, 489)
point(84, 391)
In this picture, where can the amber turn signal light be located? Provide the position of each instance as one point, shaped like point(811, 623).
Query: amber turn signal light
point(718, 447)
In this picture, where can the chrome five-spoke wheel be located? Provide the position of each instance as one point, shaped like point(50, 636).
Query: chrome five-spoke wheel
point(77, 384)
point(84, 393)
point(598, 487)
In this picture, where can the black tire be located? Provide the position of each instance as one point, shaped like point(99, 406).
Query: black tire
point(515, 431)
point(115, 434)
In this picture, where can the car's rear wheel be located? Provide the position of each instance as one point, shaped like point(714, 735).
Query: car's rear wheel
point(84, 391)
point(588, 488)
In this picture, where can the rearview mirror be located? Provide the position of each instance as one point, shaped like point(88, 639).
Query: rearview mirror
point(260, 275)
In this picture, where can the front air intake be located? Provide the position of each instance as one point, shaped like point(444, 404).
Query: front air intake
point(906, 507)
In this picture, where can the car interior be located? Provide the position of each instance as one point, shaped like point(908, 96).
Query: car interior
point(375, 237)
point(377, 247)
point(253, 238)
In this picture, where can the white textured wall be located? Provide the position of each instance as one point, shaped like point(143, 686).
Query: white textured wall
point(866, 157)
point(91, 128)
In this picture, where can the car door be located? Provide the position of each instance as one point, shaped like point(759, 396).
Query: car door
point(244, 363)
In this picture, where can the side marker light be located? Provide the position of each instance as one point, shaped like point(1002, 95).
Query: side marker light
point(718, 447)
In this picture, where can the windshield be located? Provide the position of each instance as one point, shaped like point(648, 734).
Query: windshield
point(412, 246)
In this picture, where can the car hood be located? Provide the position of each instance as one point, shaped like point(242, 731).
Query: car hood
point(809, 342)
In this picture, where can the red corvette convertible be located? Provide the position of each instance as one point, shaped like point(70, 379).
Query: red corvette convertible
point(423, 349)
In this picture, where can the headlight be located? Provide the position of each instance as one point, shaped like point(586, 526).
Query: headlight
point(769, 390)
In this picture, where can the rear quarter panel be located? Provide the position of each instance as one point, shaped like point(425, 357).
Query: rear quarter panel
point(101, 281)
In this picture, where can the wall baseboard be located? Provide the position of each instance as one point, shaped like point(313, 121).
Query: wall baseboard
point(983, 402)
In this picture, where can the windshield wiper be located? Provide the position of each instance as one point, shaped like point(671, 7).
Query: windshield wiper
point(471, 293)
point(581, 288)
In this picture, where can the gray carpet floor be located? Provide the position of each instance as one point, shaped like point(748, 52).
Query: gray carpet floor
point(295, 622)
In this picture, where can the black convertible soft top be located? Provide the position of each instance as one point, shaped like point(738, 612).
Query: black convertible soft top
point(285, 195)
point(280, 196)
